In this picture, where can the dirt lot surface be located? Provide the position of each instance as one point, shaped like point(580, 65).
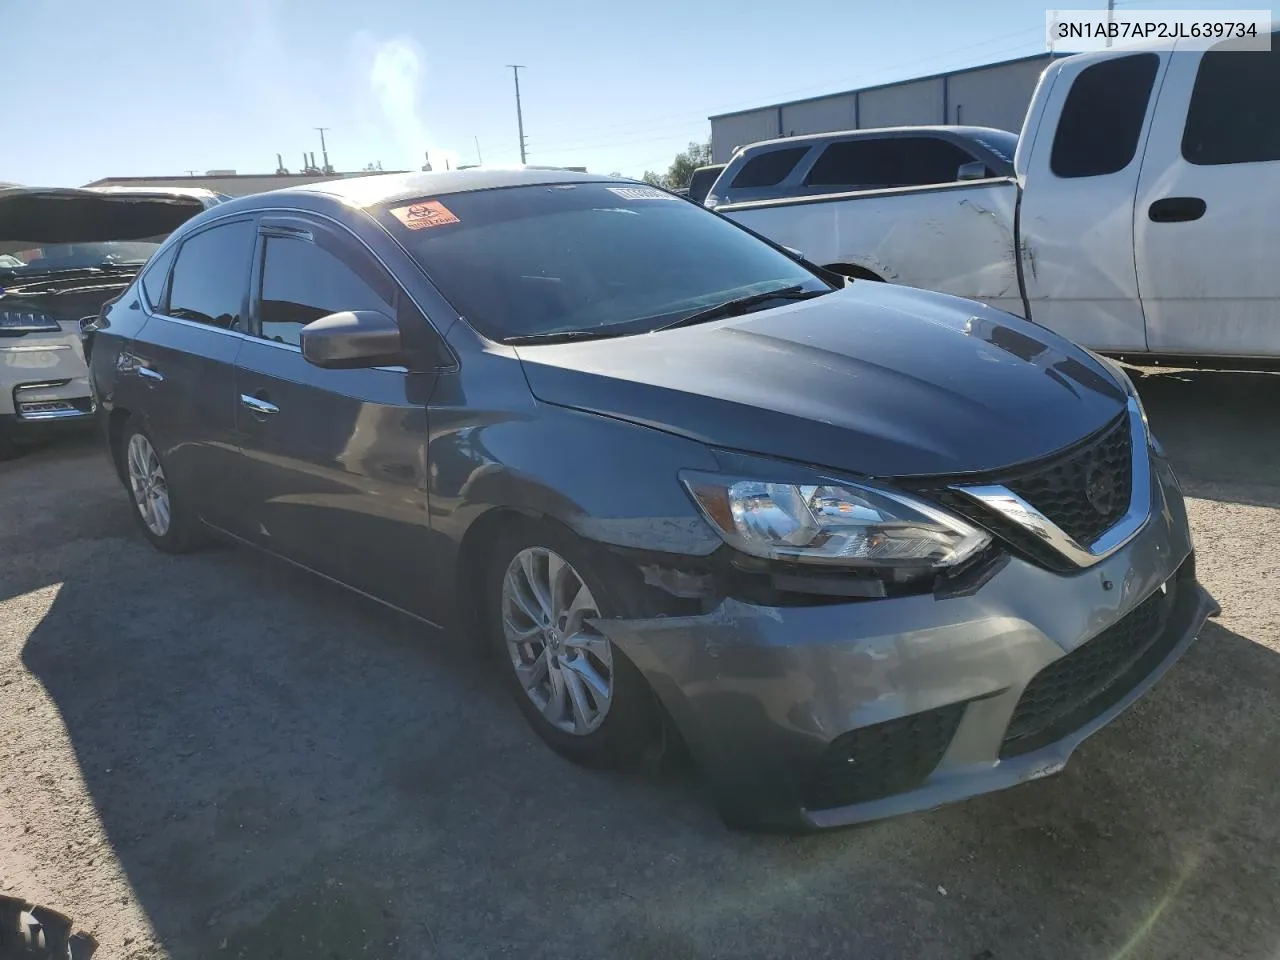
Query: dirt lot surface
point(215, 756)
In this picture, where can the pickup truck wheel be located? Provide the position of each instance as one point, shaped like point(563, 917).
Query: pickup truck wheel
point(580, 694)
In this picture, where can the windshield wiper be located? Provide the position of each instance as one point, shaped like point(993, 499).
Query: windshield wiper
point(559, 336)
point(740, 305)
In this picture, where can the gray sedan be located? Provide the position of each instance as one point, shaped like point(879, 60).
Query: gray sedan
point(862, 549)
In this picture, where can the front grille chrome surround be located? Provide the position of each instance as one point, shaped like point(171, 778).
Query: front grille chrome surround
point(1003, 501)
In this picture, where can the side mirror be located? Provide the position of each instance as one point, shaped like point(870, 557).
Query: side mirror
point(973, 170)
point(352, 339)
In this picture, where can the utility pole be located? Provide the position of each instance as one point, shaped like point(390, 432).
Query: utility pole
point(324, 151)
point(515, 70)
point(1111, 11)
point(479, 159)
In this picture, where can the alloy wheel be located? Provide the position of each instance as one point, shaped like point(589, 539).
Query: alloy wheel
point(147, 481)
point(563, 665)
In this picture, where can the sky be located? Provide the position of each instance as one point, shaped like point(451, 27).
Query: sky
point(163, 87)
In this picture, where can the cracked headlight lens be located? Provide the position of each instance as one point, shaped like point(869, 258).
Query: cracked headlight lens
point(843, 524)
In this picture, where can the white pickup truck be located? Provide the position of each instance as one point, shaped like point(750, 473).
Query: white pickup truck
point(1143, 215)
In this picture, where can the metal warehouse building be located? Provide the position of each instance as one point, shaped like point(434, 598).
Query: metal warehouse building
point(995, 95)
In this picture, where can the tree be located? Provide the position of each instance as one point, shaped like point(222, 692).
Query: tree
point(697, 155)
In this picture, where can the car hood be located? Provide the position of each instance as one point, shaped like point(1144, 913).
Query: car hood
point(89, 216)
point(875, 379)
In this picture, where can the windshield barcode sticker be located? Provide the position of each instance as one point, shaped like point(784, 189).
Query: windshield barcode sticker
point(642, 193)
point(428, 213)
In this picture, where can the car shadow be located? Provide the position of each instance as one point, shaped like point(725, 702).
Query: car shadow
point(283, 770)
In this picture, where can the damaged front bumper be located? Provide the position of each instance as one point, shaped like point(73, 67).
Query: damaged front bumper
point(817, 716)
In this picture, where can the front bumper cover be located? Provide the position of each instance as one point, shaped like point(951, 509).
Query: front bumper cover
point(760, 693)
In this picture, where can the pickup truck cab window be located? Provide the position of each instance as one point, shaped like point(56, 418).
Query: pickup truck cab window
point(1234, 114)
point(1102, 118)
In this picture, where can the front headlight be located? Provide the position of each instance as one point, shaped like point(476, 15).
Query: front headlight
point(842, 524)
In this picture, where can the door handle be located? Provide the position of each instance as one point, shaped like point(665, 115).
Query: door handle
point(1176, 209)
point(257, 405)
point(149, 374)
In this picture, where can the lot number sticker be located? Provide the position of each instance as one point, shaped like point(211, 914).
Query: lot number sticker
point(642, 193)
point(428, 213)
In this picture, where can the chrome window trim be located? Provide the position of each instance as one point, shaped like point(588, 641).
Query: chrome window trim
point(1012, 507)
point(256, 214)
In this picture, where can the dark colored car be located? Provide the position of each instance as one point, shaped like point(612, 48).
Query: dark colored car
point(865, 550)
point(852, 160)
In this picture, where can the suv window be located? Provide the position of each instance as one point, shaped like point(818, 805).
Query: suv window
point(1234, 114)
point(888, 162)
point(210, 276)
point(1102, 118)
point(768, 169)
point(155, 277)
point(302, 282)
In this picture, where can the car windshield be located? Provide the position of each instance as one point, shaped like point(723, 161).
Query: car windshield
point(598, 259)
point(18, 257)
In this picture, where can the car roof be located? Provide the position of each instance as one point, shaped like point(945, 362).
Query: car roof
point(389, 187)
point(967, 132)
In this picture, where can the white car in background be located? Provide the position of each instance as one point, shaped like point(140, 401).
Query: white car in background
point(64, 253)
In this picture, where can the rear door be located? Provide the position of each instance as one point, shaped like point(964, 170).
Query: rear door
point(182, 364)
point(1077, 208)
point(334, 460)
point(1207, 224)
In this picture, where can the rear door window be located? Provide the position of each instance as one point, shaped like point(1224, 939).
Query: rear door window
point(1102, 117)
point(302, 282)
point(1234, 114)
point(210, 277)
point(768, 169)
point(155, 279)
point(888, 162)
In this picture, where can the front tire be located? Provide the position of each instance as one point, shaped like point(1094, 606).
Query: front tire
point(580, 694)
point(160, 511)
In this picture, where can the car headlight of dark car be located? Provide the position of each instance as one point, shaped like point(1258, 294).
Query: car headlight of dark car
point(840, 524)
point(26, 321)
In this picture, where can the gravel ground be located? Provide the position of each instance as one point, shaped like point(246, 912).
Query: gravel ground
point(215, 756)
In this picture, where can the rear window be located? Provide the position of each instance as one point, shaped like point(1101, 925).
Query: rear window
point(768, 169)
point(606, 258)
point(1102, 117)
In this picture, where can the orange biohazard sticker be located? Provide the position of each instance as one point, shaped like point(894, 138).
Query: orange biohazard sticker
point(427, 213)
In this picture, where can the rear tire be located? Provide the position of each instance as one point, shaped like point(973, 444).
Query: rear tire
point(580, 693)
point(162, 512)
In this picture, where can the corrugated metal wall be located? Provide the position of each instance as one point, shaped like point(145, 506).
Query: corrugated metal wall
point(739, 129)
point(994, 96)
point(819, 116)
point(902, 104)
point(997, 97)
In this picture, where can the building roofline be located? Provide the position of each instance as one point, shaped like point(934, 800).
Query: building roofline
point(1047, 55)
